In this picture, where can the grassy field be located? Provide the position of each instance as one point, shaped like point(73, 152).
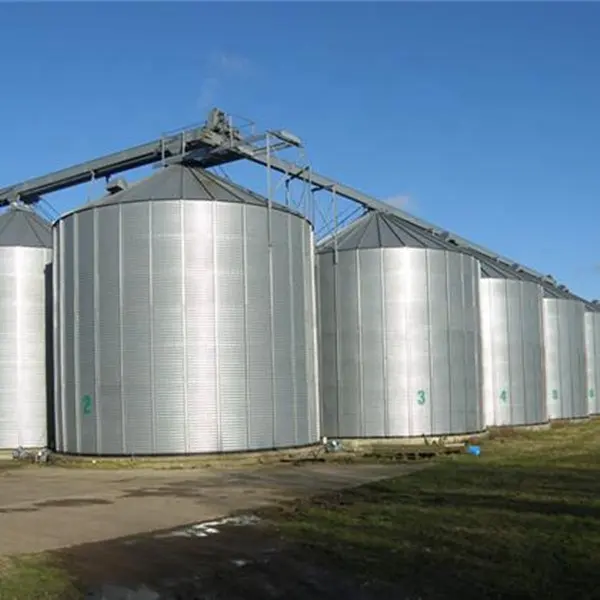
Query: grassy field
point(520, 521)
point(35, 578)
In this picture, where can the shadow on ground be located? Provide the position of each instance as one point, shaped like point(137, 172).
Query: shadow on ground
point(218, 561)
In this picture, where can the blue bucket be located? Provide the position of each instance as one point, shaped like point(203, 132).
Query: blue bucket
point(474, 450)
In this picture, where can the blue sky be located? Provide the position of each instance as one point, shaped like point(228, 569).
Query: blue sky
point(486, 116)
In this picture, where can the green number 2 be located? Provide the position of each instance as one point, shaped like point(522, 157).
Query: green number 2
point(86, 403)
point(421, 398)
point(504, 395)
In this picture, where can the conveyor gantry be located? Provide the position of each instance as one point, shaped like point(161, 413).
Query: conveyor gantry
point(166, 147)
point(215, 143)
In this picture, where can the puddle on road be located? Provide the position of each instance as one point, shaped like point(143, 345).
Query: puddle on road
point(59, 503)
point(206, 528)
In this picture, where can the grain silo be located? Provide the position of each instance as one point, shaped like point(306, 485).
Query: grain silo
point(563, 345)
point(512, 346)
point(564, 352)
point(185, 321)
point(592, 356)
point(399, 333)
point(25, 253)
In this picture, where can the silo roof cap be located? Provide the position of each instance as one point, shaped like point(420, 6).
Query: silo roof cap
point(20, 225)
point(382, 230)
point(183, 182)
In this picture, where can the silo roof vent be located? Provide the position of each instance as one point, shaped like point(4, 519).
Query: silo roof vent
point(114, 186)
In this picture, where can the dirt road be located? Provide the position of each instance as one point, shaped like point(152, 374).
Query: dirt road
point(51, 507)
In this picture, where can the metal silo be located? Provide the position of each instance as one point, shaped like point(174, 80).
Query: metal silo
point(184, 321)
point(512, 346)
point(25, 251)
point(565, 360)
point(592, 356)
point(399, 333)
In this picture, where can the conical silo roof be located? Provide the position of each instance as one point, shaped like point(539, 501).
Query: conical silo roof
point(500, 269)
point(560, 292)
point(22, 226)
point(381, 230)
point(187, 182)
point(497, 269)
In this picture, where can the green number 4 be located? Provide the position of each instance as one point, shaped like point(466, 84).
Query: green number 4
point(504, 396)
point(86, 403)
point(421, 397)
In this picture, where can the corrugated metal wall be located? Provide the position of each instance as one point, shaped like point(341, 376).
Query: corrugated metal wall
point(592, 352)
point(178, 331)
point(23, 394)
point(512, 352)
point(564, 347)
point(399, 343)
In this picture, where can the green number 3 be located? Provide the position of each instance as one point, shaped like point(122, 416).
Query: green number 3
point(86, 403)
point(421, 397)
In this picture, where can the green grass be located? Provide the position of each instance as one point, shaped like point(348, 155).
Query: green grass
point(35, 578)
point(521, 521)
